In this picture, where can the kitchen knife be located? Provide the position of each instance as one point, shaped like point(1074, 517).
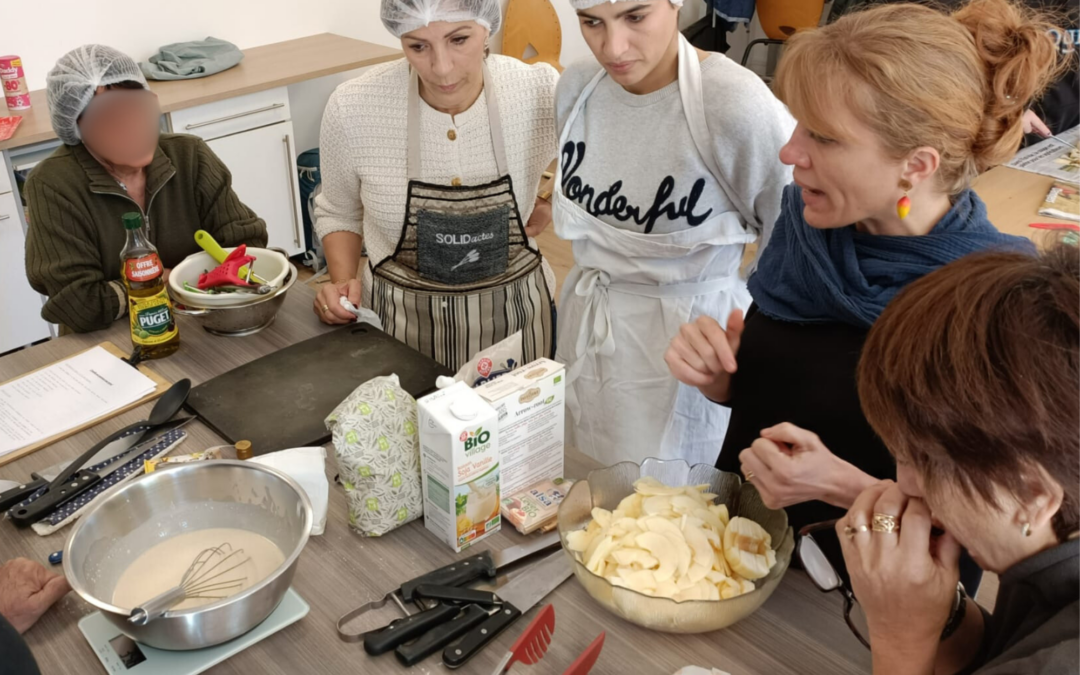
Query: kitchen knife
point(457, 596)
point(519, 595)
point(440, 636)
point(83, 480)
point(117, 446)
point(408, 628)
point(483, 565)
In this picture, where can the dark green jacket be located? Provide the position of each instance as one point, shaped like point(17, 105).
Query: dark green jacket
point(75, 234)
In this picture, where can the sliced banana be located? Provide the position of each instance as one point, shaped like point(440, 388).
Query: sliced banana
point(748, 548)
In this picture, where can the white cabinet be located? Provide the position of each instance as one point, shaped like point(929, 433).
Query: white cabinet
point(253, 136)
point(263, 167)
point(20, 305)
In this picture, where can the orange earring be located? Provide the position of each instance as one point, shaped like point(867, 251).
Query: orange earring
point(903, 205)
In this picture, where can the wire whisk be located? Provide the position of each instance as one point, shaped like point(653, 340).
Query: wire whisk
point(201, 580)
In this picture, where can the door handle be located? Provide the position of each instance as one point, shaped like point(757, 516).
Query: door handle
point(289, 183)
point(273, 106)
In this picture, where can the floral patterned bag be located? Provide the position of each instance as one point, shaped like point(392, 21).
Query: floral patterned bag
point(377, 447)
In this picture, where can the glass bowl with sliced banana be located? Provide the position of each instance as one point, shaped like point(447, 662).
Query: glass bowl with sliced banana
point(674, 548)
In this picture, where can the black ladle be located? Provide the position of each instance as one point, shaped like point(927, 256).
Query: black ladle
point(168, 405)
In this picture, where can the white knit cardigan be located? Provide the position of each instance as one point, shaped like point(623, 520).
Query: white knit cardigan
point(364, 147)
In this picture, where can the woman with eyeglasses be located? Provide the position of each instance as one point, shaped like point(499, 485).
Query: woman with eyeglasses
point(113, 161)
point(899, 108)
point(971, 377)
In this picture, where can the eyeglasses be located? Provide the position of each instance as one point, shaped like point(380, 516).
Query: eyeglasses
point(816, 542)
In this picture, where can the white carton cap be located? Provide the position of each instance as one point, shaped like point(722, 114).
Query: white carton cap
point(464, 409)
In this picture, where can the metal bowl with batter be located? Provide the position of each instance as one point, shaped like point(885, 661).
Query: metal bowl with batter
point(130, 519)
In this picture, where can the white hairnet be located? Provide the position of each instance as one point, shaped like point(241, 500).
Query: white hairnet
point(71, 84)
point(404, 16)
point(586, 4)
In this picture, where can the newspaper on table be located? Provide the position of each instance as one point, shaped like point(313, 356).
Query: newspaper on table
point(1057, 157)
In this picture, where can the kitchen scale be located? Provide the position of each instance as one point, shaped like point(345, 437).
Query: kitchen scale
point(120, 654)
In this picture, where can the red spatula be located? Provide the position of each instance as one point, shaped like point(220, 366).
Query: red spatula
point(587, 660)
point(533, 643)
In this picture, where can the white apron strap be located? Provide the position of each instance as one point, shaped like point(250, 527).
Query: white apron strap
point(579, 104)
point(494, 122)
point(691, 92)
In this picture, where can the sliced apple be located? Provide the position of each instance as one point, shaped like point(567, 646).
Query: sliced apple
point(578, 540)
point(630, 556)
point(600, 554)
point(657, 506)
point(747, 548)
point(631, 506)
point(649, 486)
point(659, 547)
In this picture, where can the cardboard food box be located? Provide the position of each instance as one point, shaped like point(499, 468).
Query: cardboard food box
point(531, 407)
point(459, 465)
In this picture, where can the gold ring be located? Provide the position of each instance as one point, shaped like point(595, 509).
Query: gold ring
point(326, 308)
point(749, 476)
point(850, 531)
point(885, 523)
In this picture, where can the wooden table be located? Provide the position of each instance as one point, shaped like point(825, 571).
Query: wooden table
point(799, 630)
point(264, 67)
point(1013, 198)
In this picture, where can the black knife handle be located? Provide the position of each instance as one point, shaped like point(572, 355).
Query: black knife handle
point(461, 596)
point(11, 497)
point(467, 647)
point(407, 628)
point(454, 574)
point(46, 504)
point(440, 636)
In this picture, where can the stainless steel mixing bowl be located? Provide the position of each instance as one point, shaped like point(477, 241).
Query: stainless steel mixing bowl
point(605, 488)
point(130, 519)
point(243, 319)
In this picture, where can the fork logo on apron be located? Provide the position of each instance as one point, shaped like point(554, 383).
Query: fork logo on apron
point(463, 276)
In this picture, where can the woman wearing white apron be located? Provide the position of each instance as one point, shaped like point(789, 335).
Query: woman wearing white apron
point(667, 169)
point(433, 162)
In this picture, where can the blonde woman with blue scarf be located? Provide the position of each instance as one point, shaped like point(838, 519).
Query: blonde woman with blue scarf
point(898, 107)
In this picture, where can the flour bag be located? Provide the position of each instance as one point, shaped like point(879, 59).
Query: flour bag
point(378, 455)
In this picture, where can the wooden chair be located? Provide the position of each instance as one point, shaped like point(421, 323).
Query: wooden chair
point(532, 23)
point(781, 18)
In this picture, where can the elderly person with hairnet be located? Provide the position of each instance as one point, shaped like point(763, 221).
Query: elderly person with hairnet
point(434, 162)
point(114, 161)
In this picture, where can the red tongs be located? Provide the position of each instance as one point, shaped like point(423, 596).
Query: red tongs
point(228, 272)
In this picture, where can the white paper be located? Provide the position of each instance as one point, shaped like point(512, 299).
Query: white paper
point(65, 395)
point(1058, 157)
point(306, 466)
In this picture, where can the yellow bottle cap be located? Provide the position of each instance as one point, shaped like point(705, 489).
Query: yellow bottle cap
point(243, 450)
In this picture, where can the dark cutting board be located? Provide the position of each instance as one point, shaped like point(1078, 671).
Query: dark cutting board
point(281, 400)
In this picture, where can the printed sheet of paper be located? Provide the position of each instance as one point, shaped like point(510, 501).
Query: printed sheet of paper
point(1057, 157)
point(65, 395)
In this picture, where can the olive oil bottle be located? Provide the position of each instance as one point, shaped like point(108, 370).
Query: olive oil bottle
point(153, 325)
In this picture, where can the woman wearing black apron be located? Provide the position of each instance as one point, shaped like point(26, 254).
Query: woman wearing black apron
point(433, 163)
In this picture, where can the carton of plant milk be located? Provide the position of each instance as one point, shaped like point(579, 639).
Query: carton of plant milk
point(459, 465)
point(531, 405)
